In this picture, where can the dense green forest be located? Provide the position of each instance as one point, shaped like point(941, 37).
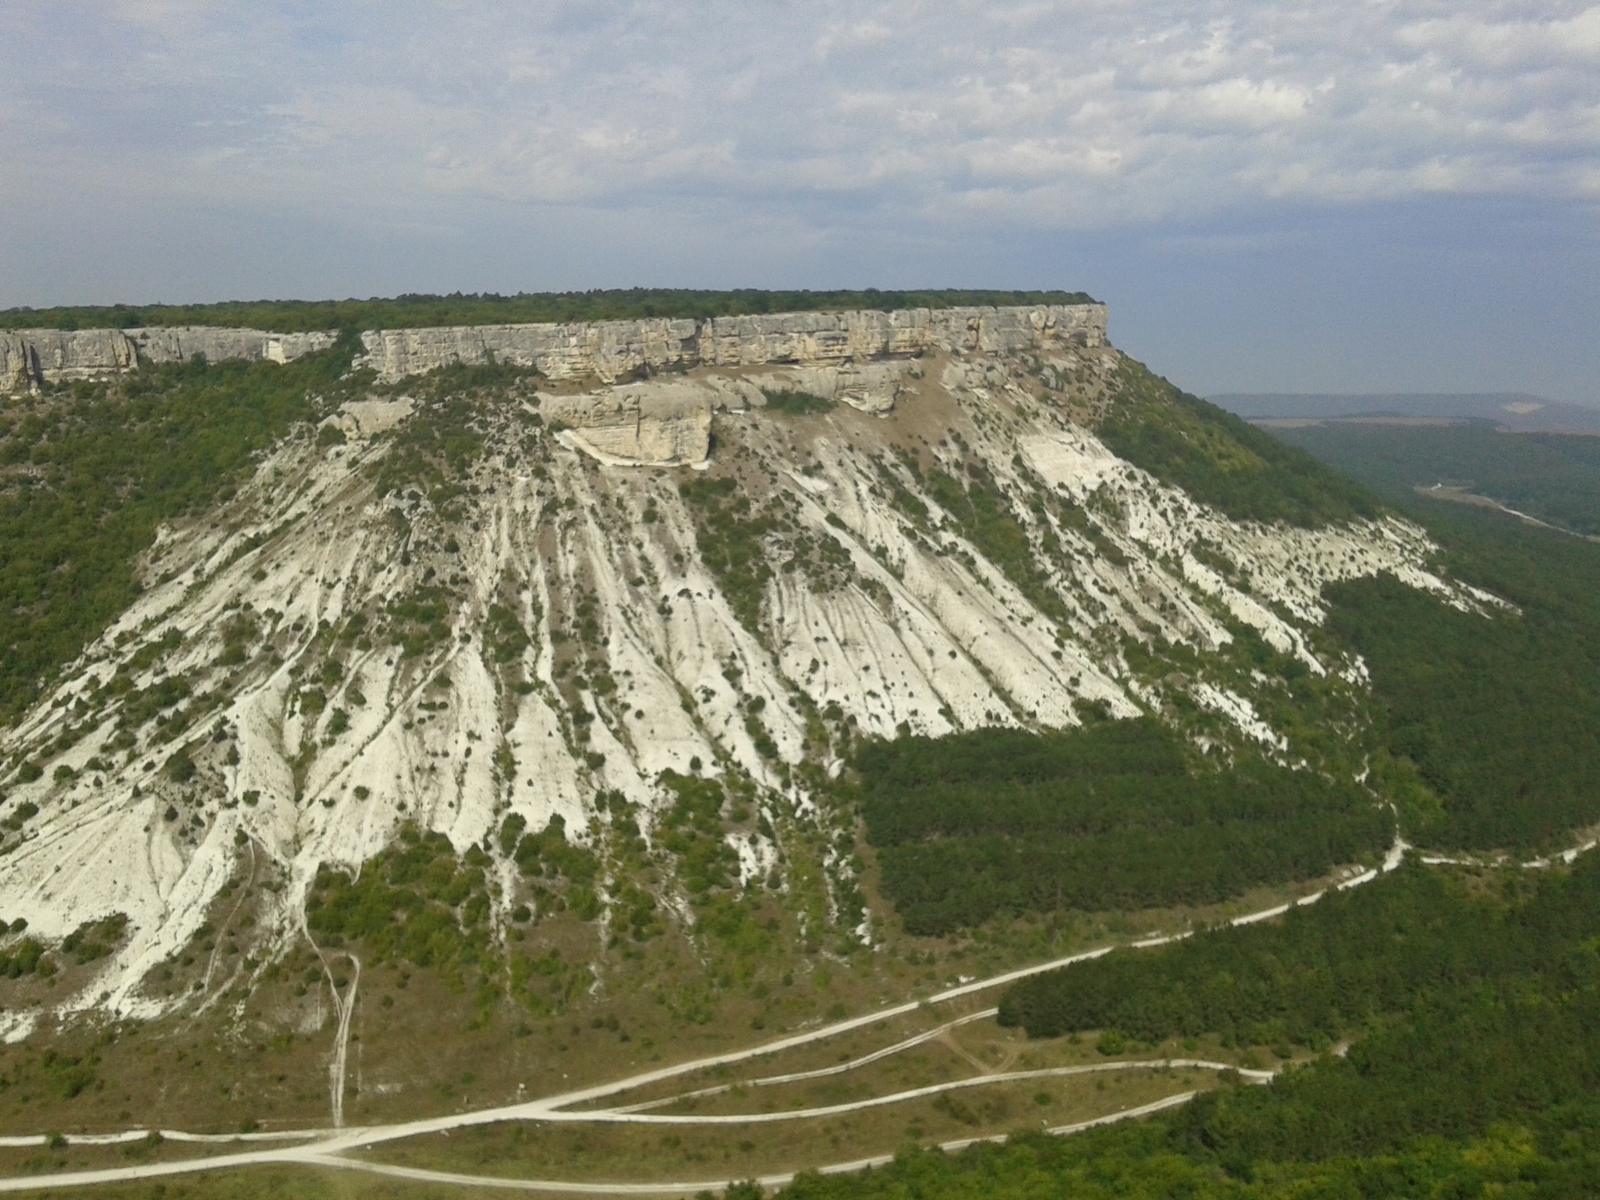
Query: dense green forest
point(412, 311)
point(1476, 1074)
point(1221, 460)
point(1554, 1155)
point(89, 471)
point(1114, 815)
point(1325, 969)
point(1500, 711)
point(1500, 715)
point(1552, 476)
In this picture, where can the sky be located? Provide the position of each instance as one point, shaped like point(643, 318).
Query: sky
point(1346, 196)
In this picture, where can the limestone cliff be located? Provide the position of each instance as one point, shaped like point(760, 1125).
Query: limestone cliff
point(609, 349)
point(604, 350)
point(32, 357)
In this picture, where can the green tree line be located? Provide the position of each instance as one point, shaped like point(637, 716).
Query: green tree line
point(486, 308)
point(1323, 970)
point(1499, 712)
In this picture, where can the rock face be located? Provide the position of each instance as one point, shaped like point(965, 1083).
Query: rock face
point(652, 423)
point(605, 350)
point(609, 349)
point(870, 386)
point(182, 342)
point(31, 357)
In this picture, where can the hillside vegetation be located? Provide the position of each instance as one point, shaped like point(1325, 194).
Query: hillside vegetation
point(1221, 460)
point(1475, 1074)
point(1552, 476)
point(1498, 714)
point(1117, 815)
point(89, 471)
point(413, 311)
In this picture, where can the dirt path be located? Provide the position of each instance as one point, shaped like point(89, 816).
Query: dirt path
point(609, 1116)
point(329, 1144)
point(344, 1006)
point(818, 1073)
point(574, 1187)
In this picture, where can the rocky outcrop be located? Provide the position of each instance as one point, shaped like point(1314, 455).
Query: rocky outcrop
point(610, 349)
point(869, 386)
point(656, 423)
point(30, 358)
point(182, 342)
point(604, 350)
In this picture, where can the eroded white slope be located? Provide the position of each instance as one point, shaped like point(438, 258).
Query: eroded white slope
point(626, 627)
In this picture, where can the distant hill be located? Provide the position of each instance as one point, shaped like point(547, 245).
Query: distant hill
point(1511, 410)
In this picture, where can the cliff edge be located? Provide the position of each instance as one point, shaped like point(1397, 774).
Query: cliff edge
point(606, 350)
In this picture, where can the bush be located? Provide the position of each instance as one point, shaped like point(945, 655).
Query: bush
point(795, 404)
point(180, 767)
point(416, 901)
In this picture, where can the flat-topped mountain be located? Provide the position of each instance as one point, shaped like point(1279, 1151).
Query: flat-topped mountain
point(564, 665)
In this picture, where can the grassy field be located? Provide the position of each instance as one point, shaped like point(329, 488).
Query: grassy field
point(657, 1005)
point(626, 1152)
point(280, 1183)
point(600, 1151)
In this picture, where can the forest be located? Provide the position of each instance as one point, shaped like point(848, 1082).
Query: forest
point(1552, 476)
point(413, 311)
point(1500, 715)
point(1115, 815)
point(1476, 1073)
point(1326, 969)
point(1554, 1155)
point(1499, 712)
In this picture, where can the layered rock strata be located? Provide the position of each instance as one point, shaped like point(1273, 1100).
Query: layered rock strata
point(652, 423)
point(30, 358)
point(605, 350)
point(610, 349)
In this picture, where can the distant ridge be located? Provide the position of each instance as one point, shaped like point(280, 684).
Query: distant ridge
point(1518, 411)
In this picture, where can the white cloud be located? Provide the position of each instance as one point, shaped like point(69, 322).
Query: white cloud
point(1062, 115)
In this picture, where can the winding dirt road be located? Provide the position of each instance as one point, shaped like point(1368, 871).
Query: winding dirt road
point(328, 1147)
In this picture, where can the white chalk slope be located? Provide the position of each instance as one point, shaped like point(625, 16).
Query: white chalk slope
point(920, 630)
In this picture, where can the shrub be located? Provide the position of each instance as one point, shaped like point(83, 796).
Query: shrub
point(795, 404)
